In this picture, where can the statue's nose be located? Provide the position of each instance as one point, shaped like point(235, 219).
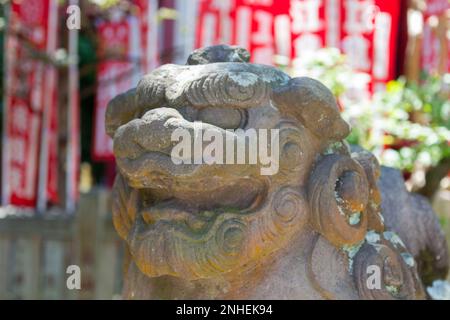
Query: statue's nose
point(150, 133)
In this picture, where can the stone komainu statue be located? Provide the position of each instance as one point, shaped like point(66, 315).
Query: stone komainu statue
point(330, 224)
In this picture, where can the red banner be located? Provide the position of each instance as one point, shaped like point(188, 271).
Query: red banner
point(49, 139)
point(259, 24)
point(288, 30)
point(147, 20)
point(214, 23)
point(115, 74)
point(30, 108)
point(127, 49)
point(385, 42)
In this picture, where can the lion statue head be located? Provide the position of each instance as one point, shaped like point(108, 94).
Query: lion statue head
point(200, 221)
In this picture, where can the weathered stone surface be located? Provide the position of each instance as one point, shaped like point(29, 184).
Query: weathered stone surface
point(310, 231)
point(412, 218)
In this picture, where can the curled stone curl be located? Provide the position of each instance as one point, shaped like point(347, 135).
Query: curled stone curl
point(338, 184)
point(398, 280)
point(241, 89)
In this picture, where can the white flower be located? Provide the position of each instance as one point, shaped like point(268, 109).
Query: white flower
point(440, 290)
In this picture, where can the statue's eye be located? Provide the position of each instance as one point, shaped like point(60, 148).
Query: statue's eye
point(226, 118)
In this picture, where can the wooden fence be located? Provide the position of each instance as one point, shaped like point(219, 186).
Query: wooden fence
point(35, 252)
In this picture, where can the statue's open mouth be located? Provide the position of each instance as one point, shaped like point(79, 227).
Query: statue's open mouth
point(170, 211)
point(196, 213)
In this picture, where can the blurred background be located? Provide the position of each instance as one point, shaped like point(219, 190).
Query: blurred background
point(386, 61)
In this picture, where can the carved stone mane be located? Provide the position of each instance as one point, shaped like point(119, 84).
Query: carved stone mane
point(313, 230)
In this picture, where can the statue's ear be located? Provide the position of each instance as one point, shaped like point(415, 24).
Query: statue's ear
point(313, 104)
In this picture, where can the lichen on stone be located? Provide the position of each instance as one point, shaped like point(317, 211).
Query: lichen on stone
point(392, 290)
point(408, 258)
point(354, 218)
point(440, 290)
point(340, 201)
point(351, 252)
point(332, 147)
point(372, 237)
point(393, 238)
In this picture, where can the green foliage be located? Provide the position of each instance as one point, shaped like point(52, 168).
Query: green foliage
point(331, 68)
point(104, 4)
point(407, 126)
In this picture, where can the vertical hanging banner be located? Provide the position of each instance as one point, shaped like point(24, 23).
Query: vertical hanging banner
point(369, 31)
point(48, 158)
point(185, 29)
point(308, 27)
point(117, 72)
point(29, 100)
point(73, 120)
point(147, 19)
point(357, 33)
point(214, 23)
point(385, 42)
point(434, 58)
point(262, 27)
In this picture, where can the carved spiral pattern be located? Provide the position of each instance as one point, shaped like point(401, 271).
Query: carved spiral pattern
point(287, 206)
point(327, 214)
point(173, 253)
point(295, 160)
point(215, 255)
point(292, 142)
point(238, 89)
point(398, 280)
point(286, 213)
point(230, 237)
